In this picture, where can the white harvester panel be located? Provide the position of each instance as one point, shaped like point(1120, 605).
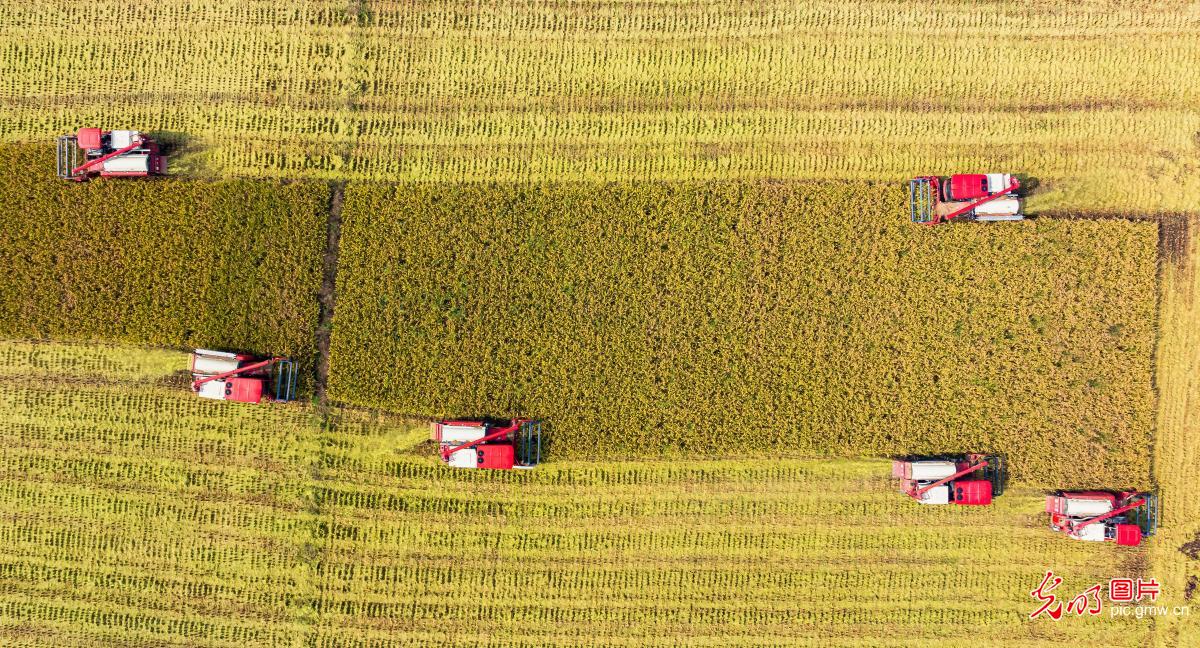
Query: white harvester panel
point(1092, 532)
point(932, 470)
point(214, 389)
point(468, 458)
point(128, 163)
point(998, 182)
point(939, 495)
point(459, 434)
point(211, 363)
point(1087, 507)
point(999, 207)
point(119, 139)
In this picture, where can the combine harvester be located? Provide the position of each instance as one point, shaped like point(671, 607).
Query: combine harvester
point(940, 480)
point(94, 153)
point(974, 196)
point(483, 444)
point(242, 378)
point(1098, 516)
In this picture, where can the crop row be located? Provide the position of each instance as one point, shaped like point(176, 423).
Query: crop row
point(93, 362)
point(1076, 155)
point(448, 55)
point(167, 424)
point(139, 515)
point(542, 19)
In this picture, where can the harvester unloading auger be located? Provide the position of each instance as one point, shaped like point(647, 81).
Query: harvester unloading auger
point(975, 196)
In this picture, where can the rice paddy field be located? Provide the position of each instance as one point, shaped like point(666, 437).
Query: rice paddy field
point(1096, 101)
point(234, 263)
point(674, 231)
point(711, 319)
point(137, 515)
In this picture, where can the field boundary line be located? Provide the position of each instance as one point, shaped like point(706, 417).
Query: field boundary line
point(327, 297)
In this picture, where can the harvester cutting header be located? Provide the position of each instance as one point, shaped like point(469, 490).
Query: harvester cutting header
point(975, 196)
point(94, 153)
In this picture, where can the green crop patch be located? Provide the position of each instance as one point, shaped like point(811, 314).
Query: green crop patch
point(178, 263)
point(723, 318)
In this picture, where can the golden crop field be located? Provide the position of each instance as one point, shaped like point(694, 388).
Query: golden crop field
point(674, 231)
point(1095, 101)
point(234, 263)
point(1176, 554)
point(710, 319)
point(137, 515)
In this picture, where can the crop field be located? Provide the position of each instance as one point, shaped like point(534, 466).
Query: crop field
point(720, 319)
point(176, 263)
point(1176, 554)
point(137, 515)
point(1095, 101)
point(673, 231)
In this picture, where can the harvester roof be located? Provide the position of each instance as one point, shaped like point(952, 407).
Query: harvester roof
point(938, 495)
point(931, 470)
point(90, 138)
point(1129, 535)
point(1091, 533)
point(1087, 506)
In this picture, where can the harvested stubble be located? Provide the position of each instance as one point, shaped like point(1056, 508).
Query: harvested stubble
point(721, 553)
point(724, 318)
point(1096, 101)
point(141, 516)
point(1175, 556)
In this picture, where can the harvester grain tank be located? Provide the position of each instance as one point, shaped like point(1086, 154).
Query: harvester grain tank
point(972, 196)
point(1100, 516)
point(970, 480)
point(242, 378)
point(92, 152)
point(516, 443)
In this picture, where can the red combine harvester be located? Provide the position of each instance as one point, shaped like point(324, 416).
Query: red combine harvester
point(975, 196)
point(108, 154)
point(1097, 516)
point(242, 378)
point(942, 480)
point(483, 444)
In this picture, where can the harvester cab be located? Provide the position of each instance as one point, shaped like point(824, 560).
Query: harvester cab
point(1100, 516)
point(971, 480)
point(92, 152)
point(483, 444)
point(975, 196)
point(242, 378)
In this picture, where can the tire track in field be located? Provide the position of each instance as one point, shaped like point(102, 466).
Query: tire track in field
point(327, 297)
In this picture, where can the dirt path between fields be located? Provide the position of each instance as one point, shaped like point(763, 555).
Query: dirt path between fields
point(327, 297)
